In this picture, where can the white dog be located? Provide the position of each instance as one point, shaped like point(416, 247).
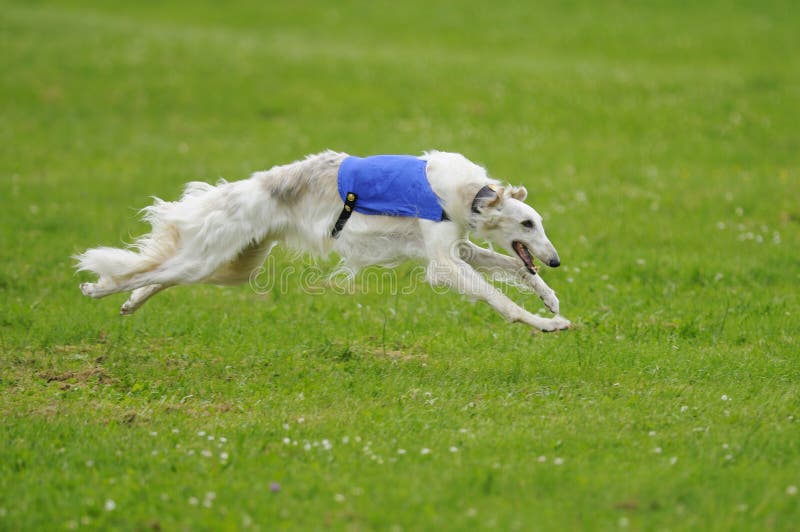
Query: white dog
point(402, 208)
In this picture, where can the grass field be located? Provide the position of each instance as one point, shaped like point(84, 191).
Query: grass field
point(659, 140)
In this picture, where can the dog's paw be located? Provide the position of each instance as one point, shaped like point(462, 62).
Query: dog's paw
point(87, 289)
point(127, 309)
point(557, 323)
point(551, 302)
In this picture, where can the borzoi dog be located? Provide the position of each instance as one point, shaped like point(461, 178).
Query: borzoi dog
point(376, 210)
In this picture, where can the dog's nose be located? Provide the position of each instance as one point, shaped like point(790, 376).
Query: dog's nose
point(555, 263)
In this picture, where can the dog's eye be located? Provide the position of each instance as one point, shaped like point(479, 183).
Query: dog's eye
point(528, 224)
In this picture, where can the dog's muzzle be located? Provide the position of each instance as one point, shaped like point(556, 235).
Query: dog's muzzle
point(524, 253)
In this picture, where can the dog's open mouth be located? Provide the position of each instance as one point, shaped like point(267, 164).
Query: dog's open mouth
point(522, 251)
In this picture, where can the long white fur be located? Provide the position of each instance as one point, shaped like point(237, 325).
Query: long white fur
point(221, 233)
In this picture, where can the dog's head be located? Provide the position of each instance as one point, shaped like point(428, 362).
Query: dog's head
point(500, 216)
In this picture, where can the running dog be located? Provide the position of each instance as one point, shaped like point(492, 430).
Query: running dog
point(375, 210)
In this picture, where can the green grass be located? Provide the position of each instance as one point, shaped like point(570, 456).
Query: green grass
point(658, 139)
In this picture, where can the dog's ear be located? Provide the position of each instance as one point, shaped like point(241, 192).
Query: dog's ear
point(488, 196)
point(497, 199)
point(519, 193)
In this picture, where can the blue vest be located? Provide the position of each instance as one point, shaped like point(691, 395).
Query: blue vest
point(390, 185)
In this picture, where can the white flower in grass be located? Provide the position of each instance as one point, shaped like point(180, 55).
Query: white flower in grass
point(110, 505)
point(725, 398)
point(201, 433)
point(223, 439)
point(673, 460)
point(453, 449)
point(401, 451)
point(326, 444)
point(193, 501)
point(206, 453)
point(558, 461)
point(791, 490)
point(542, 459)
point(425, 450)
point(657, 450)
point(287, 440)
point(209, 499)
point(223, 456)
point(339, 497)
point(153, 433)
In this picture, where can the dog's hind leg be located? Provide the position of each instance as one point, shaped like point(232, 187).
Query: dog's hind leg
point(240, 269)
point(235, 272)
point(101, 288)
point(492, 263)
point(104, 288)
point(139, 297)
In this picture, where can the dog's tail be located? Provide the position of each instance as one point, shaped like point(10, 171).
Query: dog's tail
point(107, 262)
point(148, 251)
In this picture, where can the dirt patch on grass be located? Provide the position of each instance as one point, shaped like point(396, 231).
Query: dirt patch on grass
point(83, 376)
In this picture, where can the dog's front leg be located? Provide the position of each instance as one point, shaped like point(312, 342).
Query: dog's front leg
point(491, 262)
point(546, 293)
point(458, 275)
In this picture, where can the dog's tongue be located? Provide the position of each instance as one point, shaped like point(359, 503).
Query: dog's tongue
point(525, 255)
